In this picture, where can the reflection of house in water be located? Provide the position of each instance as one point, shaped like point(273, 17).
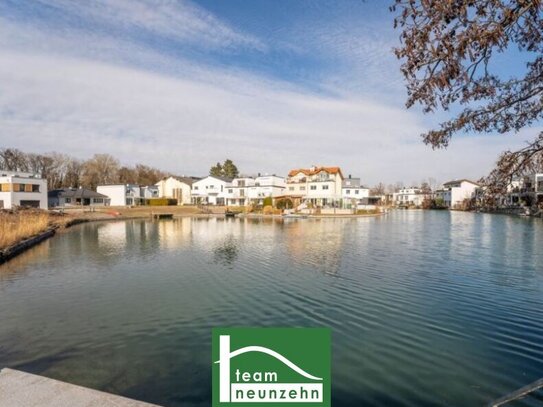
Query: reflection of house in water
point(174, 233)
point(316, 242)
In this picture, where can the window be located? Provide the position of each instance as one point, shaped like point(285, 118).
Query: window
point(356, 191)
point(5, 187)
point(302, 188)
point(35, 188)
point(230, 191)
point(98, 200)
point(68, 200)
point(291, 188)
point(196, 187)
point(325, 187)
point(21, 187)
point(313, 187)
point(347, 191)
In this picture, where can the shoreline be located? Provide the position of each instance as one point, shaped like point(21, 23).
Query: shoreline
point(23, 245)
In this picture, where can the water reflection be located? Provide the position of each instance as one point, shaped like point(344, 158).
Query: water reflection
point(427, 307)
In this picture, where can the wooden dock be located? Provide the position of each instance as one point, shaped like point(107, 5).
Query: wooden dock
point(20, 389)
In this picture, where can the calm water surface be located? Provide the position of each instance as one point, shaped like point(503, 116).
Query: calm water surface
point(427, 308)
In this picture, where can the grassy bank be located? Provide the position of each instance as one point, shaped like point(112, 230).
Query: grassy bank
point(20, 225)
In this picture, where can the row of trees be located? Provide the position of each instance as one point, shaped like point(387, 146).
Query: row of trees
point(62, 170)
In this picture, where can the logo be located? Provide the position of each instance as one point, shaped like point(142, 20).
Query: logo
point(272, 366)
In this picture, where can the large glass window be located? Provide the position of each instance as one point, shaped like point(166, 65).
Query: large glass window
point(35, 188)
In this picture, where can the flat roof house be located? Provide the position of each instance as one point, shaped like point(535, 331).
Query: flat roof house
point(211, 190)
point(455, 192)
point(410, 196)
point(22, 189)
point(121, 194)
point(353, 193)
point(70, 197)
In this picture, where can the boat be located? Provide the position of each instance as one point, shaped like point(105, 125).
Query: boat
point(230, 214)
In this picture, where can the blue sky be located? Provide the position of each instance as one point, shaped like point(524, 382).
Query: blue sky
point(180, 85)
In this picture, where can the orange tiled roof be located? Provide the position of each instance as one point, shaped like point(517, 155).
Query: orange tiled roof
point(316, 170)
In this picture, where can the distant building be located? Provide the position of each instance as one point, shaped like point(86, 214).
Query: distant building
point(179, 188)
point(318, 186)
point(237, 192)
point(266, 186)
point(455, 192)
point(411, 196)
point(122, 194)
point(69, 197)
point(527, 189)
point(22, 189)
point(211, 190)
point(353, 193)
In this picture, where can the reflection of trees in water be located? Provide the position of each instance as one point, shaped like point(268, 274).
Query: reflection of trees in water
point(226, 253)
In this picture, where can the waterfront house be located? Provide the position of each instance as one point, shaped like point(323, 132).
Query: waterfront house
point(22, 189)
point(249, 190)
point(526, 189)
point(237, 193)
point(122, 194)
point(70, 197)
point(411, 196)
point(455, 193)
point(211, 190)
point(318, 186)
point(266, 186)
point(176, 188)
point(353, 193)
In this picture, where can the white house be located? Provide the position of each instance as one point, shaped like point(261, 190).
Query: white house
point(320, 186)
point(121, 194)
point(177, 188)
point(266, 186)
point(22, 189)
point(69, 197)
point(353, 193)
point(527, 189)
point(210, 190)
point(237, 193)
point(411, 196)
point(454, 193)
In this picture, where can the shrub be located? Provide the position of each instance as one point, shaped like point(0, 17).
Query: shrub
point(161, 202)
point(268, 201)
point(285, 203)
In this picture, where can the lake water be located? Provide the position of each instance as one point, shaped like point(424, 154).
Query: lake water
point(427, 308)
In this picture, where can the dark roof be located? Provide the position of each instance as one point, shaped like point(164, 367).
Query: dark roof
point(74, 193)
point(354, 182)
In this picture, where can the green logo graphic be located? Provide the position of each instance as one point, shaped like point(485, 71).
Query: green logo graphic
point(271, 366)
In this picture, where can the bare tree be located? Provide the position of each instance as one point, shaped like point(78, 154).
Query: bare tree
point(100, 169)
point(447, 49)
point(378, 189)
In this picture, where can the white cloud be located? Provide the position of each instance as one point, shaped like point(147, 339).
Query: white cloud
point(178, 21)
